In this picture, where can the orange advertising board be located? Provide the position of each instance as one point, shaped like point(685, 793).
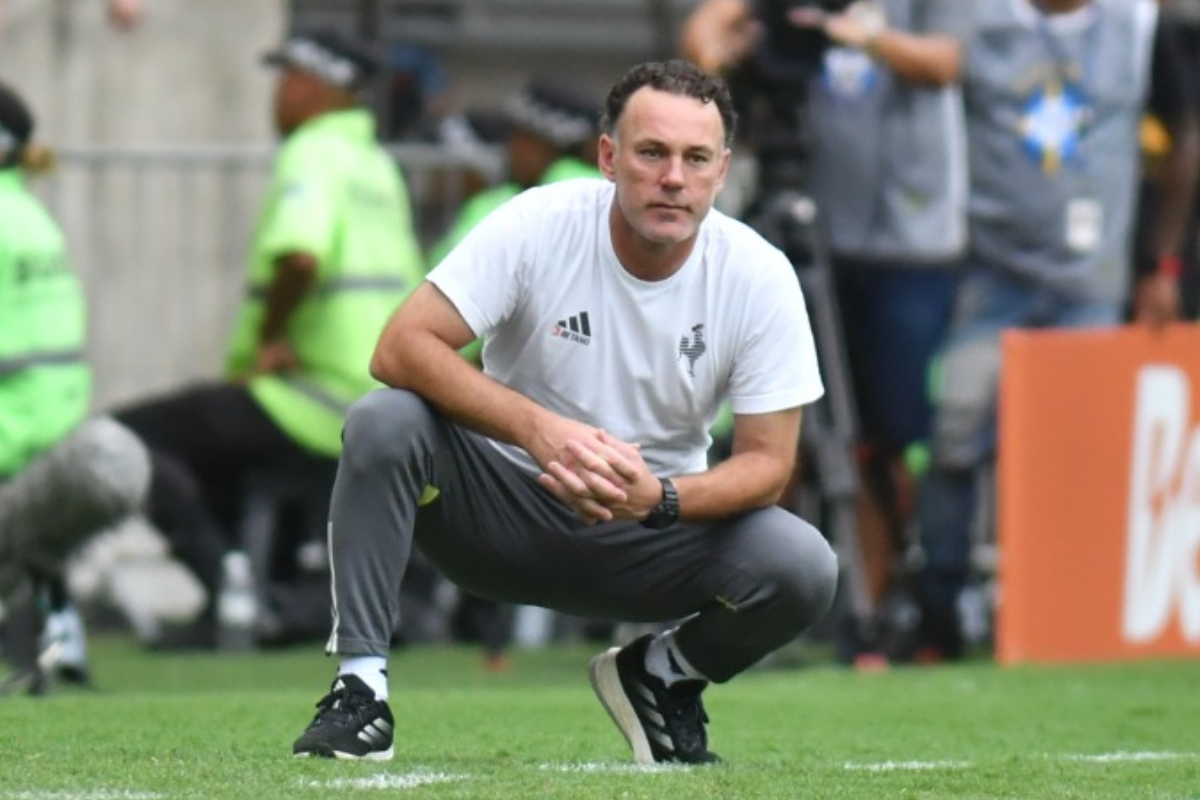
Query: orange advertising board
point(1099, 495)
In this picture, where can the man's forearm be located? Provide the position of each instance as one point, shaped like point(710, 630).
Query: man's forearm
point(431, 368)
point(1176, 191)
point(934, 60)
point(741, 483)
point(294, 276)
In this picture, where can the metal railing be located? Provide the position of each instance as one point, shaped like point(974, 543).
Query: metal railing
point(160, 237)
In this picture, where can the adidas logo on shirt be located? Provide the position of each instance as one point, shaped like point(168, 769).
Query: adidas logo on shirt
point(575, 328)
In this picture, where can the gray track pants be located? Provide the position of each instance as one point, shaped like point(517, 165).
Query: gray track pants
point(746, 585)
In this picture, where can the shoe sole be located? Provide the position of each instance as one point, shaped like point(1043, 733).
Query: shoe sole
point(606, 683)
point(376, 755)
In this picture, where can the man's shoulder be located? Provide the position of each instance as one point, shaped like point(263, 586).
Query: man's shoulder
point(570, 192)
point(731, 238)
point(576, 197)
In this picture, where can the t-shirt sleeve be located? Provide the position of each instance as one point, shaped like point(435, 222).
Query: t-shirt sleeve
point(301, 207)
point(955, 18)
point(483, 276)
point(776, 365)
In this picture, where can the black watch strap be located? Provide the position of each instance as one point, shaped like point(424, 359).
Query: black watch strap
point(666, 513)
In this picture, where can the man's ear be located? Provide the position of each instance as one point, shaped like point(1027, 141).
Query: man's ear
point(606, 157)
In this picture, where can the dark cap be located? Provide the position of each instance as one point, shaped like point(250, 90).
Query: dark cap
point(16, 123)
point(330, 56)
point(557, 112)
point(475, 128)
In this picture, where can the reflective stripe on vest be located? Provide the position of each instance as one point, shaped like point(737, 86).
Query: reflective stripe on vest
point(39, 359)
point(343, 284)
point(317, 394)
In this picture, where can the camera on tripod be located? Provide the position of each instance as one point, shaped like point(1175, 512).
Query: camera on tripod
point(772, 88)
point(791, 53)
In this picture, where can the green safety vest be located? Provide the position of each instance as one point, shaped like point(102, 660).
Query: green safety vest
point(483, 203)
point(337, 196)
point(45, 383)
point(568, 167)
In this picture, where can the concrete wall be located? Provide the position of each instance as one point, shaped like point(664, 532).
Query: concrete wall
point(187, 72)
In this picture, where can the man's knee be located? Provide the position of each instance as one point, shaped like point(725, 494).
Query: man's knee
point(380, 425)
point(802, 569)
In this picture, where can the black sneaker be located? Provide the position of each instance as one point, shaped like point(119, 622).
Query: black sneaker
point(660, 723)
point(350, 723)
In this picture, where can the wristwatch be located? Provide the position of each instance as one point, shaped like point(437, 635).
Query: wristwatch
point(666, 513)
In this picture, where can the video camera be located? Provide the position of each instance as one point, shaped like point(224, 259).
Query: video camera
point(789, 53)
point(772, 88)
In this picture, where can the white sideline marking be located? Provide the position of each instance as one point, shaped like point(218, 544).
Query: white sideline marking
point(81, 794)
point(614, 769)
point(898, 766)
point(386, 780)
point(1122, 756)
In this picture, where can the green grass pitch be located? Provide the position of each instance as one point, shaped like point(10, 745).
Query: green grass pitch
point(221, 726)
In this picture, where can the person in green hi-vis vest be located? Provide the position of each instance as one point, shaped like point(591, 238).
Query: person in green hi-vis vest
point(333, 254)
point(64, 477)
point(552, 129)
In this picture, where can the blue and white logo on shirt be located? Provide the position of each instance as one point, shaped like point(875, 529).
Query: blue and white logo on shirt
point(1052, 125)
point(849, 74)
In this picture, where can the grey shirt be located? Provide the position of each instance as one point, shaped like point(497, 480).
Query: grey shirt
point(888, 167)
point(1054, 105)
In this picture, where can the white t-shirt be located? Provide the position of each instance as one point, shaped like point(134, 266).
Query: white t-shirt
point(650, 362)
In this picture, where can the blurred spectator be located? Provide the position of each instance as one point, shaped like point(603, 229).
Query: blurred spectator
point(1055, 92)
point(417, 92)
point(475, 129)
point(1156, 145)
point(882, 132)
point(552, 128)
point(63, 477)
point(333, 255)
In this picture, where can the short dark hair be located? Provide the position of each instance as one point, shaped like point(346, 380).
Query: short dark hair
point(16, 126)
point(678, 77)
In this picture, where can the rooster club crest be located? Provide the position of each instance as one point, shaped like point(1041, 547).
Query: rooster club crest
point(692, 347)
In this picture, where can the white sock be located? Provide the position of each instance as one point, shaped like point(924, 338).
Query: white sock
point(371, 669)
point(664, 661)
point(66, 627)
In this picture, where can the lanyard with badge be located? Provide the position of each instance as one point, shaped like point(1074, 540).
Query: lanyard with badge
point(1084, 217)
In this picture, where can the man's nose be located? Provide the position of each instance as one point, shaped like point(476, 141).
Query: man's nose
point(672, 176)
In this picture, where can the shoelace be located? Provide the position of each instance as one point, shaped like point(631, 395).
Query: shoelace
point(343, 706)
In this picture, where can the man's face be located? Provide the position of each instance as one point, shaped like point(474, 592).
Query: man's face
point(668, 160)
point(297, 94)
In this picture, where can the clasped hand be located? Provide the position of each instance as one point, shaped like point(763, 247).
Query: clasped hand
point(600, 476)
